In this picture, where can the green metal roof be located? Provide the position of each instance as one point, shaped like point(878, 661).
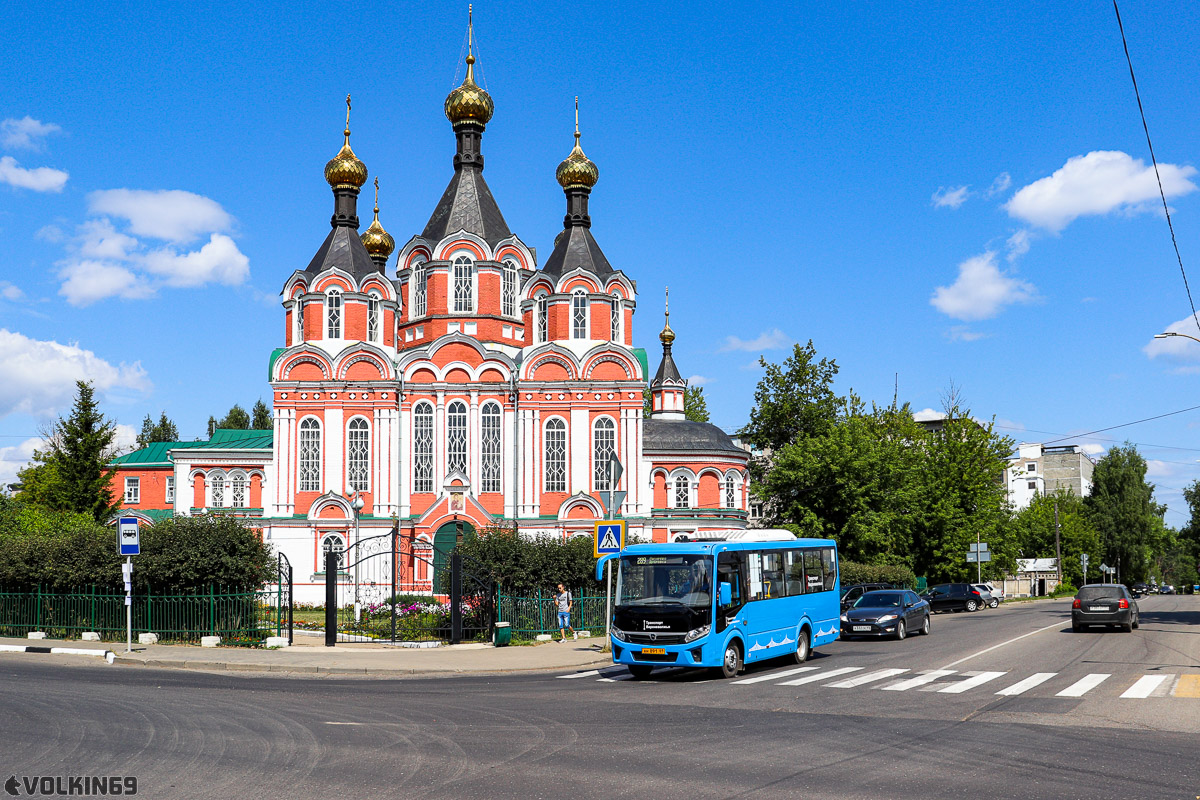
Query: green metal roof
point(275, 354)
point(156, 454)
point(241, 440)
point(640, 354)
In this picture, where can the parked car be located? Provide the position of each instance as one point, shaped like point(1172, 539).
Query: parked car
point(953, 597)
point(997, 591)
point(1104, 604)
point(890, 612)
point(851, 593)
point(1167, 589)
point(985, 592)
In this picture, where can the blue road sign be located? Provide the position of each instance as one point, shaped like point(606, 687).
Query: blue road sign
point(610, 537)
point(127, 536)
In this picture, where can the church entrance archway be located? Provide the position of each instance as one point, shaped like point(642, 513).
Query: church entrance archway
point(445, 540)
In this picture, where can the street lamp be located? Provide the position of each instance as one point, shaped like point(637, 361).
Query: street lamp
point(357, 505)
point(1169, 334)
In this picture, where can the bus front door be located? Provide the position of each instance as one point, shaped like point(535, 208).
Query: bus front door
point(729, 570)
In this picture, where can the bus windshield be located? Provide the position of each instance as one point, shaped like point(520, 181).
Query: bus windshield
point(662, 580)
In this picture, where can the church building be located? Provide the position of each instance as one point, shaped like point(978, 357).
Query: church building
point(454, 386)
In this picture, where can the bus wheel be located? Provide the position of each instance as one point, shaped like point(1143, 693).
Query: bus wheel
point(640, 671)
point(732, 662)
point(803, 646)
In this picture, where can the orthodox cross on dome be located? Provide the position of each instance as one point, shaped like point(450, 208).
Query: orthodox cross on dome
point(347, 117)
point(667, 336)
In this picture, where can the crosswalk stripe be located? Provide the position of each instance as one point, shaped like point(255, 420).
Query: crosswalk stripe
point(614, 680)
point(1084, 685)
point(1020, 687)
point(774, 675)
point(581, 674)
point(1144, 686)
point(1187, 686)
point(971, 683)
point(870, 677)
point(920, 680)
point(821, 676)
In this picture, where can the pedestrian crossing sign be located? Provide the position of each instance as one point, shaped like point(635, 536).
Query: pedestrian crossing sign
point(610, 538)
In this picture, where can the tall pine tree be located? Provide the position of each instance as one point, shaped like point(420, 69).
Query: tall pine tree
point(261, 417)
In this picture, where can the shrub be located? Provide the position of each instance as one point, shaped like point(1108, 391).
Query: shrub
point(523, 567)
point(854, 572)
point(1063, 589)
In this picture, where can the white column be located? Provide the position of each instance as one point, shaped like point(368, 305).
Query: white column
point(531, 463)
point(403, 456)
point(439, 441)
point(508, 452)
point(474, 443)
point(334, 441)
point(579, 440)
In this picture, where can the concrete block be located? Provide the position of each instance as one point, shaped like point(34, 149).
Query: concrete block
point(585, 634)
point(210, 641)
point(91, 636)
point(147, 638)
point(37, 635)
point(277, 641)
point(544, 637)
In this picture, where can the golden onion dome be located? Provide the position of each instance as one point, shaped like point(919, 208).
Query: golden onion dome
point(379, 243)
point(577, 169)
point(469, 102)
point(345, 170)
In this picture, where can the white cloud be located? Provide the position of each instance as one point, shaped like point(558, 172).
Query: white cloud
point(15, 458)
point(99, 239)
point(86, 281)
point(40, 376)
point(698, 380)
point(774, 339)
point(1097, 183)
point(171, 214)
point(26, 133)
point(39, 179)
point(950, 197)
point(50, 233)
point(929, 415)
point(1092, 449)
point(981, 290)
point(1017, 245)
point(125, 438)
point(10, 292)
point(961, 333)
point(219, 261)
point(1000, 184)
point(1178, 347)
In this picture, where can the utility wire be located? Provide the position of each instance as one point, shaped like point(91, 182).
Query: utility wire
point(1154, 161)
point(1123, 425)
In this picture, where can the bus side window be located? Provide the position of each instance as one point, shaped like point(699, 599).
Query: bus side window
point(829, 568)
point(794, 566)
point(772, 573)
point(814, 577)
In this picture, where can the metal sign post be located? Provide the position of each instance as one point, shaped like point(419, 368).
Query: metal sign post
point(609, 538)
point(129, 544)
point(977, 553)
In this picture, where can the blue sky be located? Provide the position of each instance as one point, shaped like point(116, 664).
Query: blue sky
point(792, 172)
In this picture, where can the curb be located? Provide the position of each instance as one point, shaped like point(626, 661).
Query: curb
point(308, 670)
point(107, 655)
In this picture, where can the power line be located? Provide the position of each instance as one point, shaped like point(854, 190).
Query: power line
point(1104, 439)
point(1123, 425)
point(1154, 161)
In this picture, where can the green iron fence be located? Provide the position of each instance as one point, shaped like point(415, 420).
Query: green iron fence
point(535, 615)
point(237, 617)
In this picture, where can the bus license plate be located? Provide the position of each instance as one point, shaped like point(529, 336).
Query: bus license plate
point(653, 651)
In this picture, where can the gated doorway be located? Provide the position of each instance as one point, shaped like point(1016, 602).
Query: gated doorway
point(445, 540)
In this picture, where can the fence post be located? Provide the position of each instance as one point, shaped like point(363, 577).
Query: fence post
point(541, 613)
point(279, 600)
point(455, 597)
point(149, 611)
point(37, 620)
point(212, 620)
point(331, 567)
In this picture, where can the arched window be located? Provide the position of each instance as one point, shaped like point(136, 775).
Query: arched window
point(579, 315)
point(556, 456)
point(310, 455)
point(423, 448)
point(604, 440)
point(456, 437)
point(332, 543)
point(730, 493)
point(358, 454)
point(333, 314)
point(489, 447)
point(615, 324)
point(543, 318)
point(419, 284)
point(216, 485)
point(509, 291)
point(299, 306)
point(237, 491)
point(373, 316)
point(464, 295)
point(683, 492)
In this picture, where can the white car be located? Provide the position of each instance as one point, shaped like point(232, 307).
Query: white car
point(996, 593)
point(989, 597)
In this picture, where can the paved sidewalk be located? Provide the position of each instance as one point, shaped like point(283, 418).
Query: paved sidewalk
point(309, 657)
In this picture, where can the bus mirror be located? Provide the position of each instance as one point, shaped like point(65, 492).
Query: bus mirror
point(724, 593)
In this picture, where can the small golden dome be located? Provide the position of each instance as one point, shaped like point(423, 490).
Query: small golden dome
point(469, 102)
point(667, 336)
point(345, 170)
point(379, 243)
point(577, 169)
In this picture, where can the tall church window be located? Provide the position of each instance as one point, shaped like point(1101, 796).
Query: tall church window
point(556, 456)
point(333, 314)
point(683, 492)
point(299, 319)
point(373, 315)
point(237, 491)
point(490, 448)
point(217, 488)
point(332, 543)
point(579, 315)
point(615, 322)
point(730, 493)
point(463, 288)
point(423, 448)
point(604, 440)
point(543, 318)
point(357, 454)
point(509, 291)
point(420, 281)
point(310, 455)
point(456, 437)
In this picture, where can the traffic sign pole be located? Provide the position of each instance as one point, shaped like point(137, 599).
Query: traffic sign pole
point(128, 604)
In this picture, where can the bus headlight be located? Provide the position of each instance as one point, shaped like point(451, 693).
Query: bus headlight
point(618, 634)
point(698, 633)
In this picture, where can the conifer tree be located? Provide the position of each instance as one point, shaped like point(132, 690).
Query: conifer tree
point(261, 417)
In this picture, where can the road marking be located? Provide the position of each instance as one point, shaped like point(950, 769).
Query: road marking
point(1188, 686)
point(1002, 644)
point(870, 677)
point(581, 674)
point(774, 675)
point(1084, 685)
point(971, 683)
point(920, 680)
point(1020, 687)
point(822, 676)
point(614, 680)
point(1144, 686)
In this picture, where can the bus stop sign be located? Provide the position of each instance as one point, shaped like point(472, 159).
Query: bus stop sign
point(128, 540)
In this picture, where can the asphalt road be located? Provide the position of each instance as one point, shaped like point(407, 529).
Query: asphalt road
point(946, 733)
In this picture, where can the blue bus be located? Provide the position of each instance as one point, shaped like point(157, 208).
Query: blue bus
point(775, 595)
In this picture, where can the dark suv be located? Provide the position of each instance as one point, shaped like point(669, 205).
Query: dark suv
point(953, 597)
point(1104, 604)
point(851, 593)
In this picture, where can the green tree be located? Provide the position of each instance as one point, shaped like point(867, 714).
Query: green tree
point(261, 417)
point(1122, 509)
point(212, 427)
point(695, 407)
point(793, 400)
point(162, 431)
point(236, 419)
point(74, 473)
point(523, 567)
point(1033, 530)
